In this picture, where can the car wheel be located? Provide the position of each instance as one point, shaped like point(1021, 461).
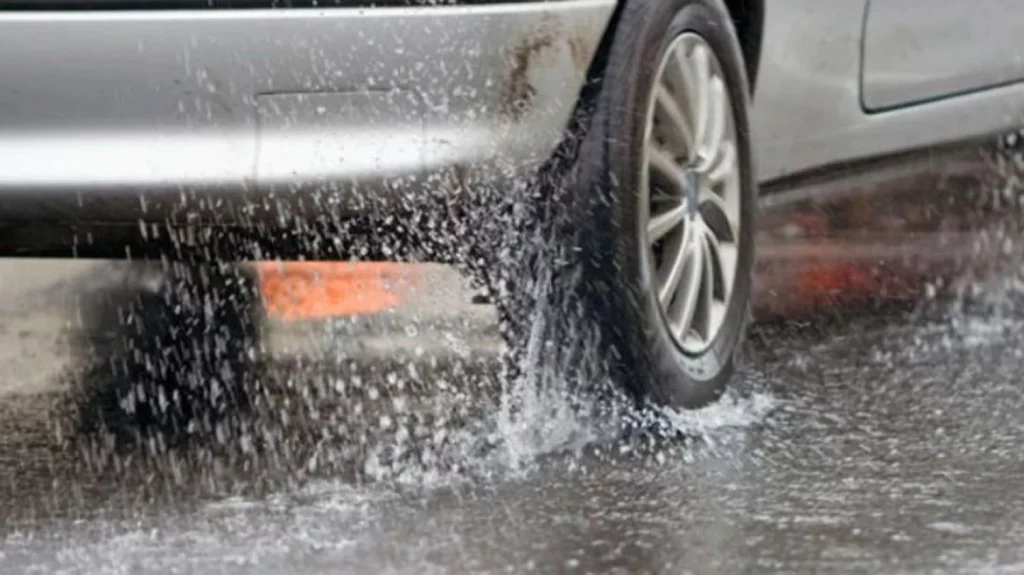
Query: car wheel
point(659, 203)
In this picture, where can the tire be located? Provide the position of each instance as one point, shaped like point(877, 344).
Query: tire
point(598, 213)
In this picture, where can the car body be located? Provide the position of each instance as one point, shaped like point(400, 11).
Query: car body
point(128, 114)
point(186, 116)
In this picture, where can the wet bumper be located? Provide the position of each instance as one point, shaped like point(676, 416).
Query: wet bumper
point(234, 116)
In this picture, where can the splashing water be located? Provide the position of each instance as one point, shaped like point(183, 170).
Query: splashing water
point(409, 421)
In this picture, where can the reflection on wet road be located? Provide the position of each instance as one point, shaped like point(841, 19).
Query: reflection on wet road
point(883, 441)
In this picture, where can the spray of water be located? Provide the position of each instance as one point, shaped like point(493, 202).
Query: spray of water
point(201, 402)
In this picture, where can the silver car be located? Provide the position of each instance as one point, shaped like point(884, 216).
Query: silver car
point(131, 128)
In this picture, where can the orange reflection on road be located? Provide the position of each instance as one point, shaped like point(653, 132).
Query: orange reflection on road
point(317, 290)
point(797, 288)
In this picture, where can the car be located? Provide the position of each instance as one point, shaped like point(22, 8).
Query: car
point(654, 130)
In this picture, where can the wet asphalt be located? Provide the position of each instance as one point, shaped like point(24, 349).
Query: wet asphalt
point(862, 440)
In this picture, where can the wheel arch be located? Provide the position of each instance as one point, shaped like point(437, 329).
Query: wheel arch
point(748, 18)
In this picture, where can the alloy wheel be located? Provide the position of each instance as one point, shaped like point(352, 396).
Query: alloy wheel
point(690, 193)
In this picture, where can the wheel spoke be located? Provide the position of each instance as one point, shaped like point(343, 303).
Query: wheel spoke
point(680, 127)
point(687, 85)
point(664, 164)
point(716, 121)
point(708, 287)
point(724, 164)
point(664, 223)
point(701, 77)
point(664, 199)
point(717, 314)
point(685, 305)
point(677, 256)
point(726, 254)
point(708, 197)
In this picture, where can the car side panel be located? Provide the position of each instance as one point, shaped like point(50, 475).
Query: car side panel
point(807, 104)
point(914, 54)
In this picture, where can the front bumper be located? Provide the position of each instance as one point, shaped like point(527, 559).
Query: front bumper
point(232, 116)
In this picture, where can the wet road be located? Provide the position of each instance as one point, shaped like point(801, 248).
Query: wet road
point(861, 442)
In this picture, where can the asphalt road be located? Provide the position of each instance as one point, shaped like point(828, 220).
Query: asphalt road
point(882, 441)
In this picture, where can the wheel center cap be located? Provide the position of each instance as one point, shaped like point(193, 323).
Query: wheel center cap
point(691, 180)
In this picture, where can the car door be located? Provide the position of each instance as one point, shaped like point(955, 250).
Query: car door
point(918, 51)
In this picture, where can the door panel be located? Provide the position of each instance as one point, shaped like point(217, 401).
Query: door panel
point(915, 50)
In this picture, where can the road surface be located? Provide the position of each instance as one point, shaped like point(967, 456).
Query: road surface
point(854, 442)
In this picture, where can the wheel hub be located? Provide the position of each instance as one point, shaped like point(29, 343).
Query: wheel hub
point(691, 181)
